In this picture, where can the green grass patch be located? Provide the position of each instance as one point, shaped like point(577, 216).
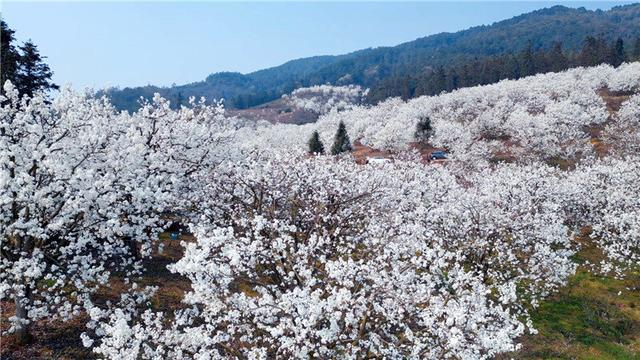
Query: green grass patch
point(593, 317)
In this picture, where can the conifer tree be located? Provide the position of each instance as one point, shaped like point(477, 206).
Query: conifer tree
point(512, 67)
point(179, 100)
point(315, 144)
point(527, 60)
point(9, 56)
point(635, 54)
point(439, 80)
point(589, 54)
point(341, 142)
point(424, 129)
point(32, 73)
point(557, 60)
point(616, 53)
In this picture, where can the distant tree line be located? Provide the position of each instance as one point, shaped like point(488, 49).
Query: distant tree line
point(23, 65)
point(490, 70)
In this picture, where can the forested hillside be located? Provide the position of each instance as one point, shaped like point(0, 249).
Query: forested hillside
point(540, 30)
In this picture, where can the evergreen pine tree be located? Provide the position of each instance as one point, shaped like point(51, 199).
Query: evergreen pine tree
point(315, 144)
point(513, 68)
point(616, 53)
point(453, 80)
point(635, 54)
point(439, 81)
point(557, 60)
point(341, 142)
point(589, 55)
point(179, 100)
point(9, 56)
point(32, 73)
point(527, 65)
point(424, 130)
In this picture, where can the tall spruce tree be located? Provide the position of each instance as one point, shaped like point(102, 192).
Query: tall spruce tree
point(616, 53)
point(341, 142)
point(439, 81)
point(635, 53)
point(527, 61)
point(557, 60)
point(315, 144)
point(424, 129)
point(589, 54)
point(512, 67)
point(9, 55)
point(33, 74)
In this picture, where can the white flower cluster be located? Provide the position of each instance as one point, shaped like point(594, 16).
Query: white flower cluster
point(84, 191)
point(323, 99)
point(317, 257)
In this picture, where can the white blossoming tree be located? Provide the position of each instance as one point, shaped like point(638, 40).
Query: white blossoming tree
point(85, 190)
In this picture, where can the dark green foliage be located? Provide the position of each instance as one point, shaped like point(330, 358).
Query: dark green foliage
point(33, 74)
point(594, 52)
point(491, 53)
point(315, 144)
point(180, 101)
point(616, 54)
point(529, 61)
point(557, 59)
point(635, 54)
point(341, 142)
point(424, 129)
point(23, 66)
point(9, 55)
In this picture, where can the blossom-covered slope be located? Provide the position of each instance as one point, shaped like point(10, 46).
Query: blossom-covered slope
point(543, 116)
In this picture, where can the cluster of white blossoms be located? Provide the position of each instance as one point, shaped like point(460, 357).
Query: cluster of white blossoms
point(606, 197)
point(323, 99)
point(301, 256)
point(84, 191)
point(622, 134)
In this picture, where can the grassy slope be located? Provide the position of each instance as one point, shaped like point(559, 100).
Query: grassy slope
point(593, 317)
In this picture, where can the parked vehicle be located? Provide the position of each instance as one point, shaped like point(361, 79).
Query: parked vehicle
point(438, 155)
point(378, 160)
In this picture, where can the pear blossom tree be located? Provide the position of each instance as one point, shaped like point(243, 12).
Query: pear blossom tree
point(604, 198)
point(623, 134)
point(85, 191)
point(57, 193)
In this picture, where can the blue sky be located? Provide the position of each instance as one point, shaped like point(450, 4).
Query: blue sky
point(137, 43)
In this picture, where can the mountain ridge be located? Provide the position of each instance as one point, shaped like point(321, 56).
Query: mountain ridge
point(370, 66)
